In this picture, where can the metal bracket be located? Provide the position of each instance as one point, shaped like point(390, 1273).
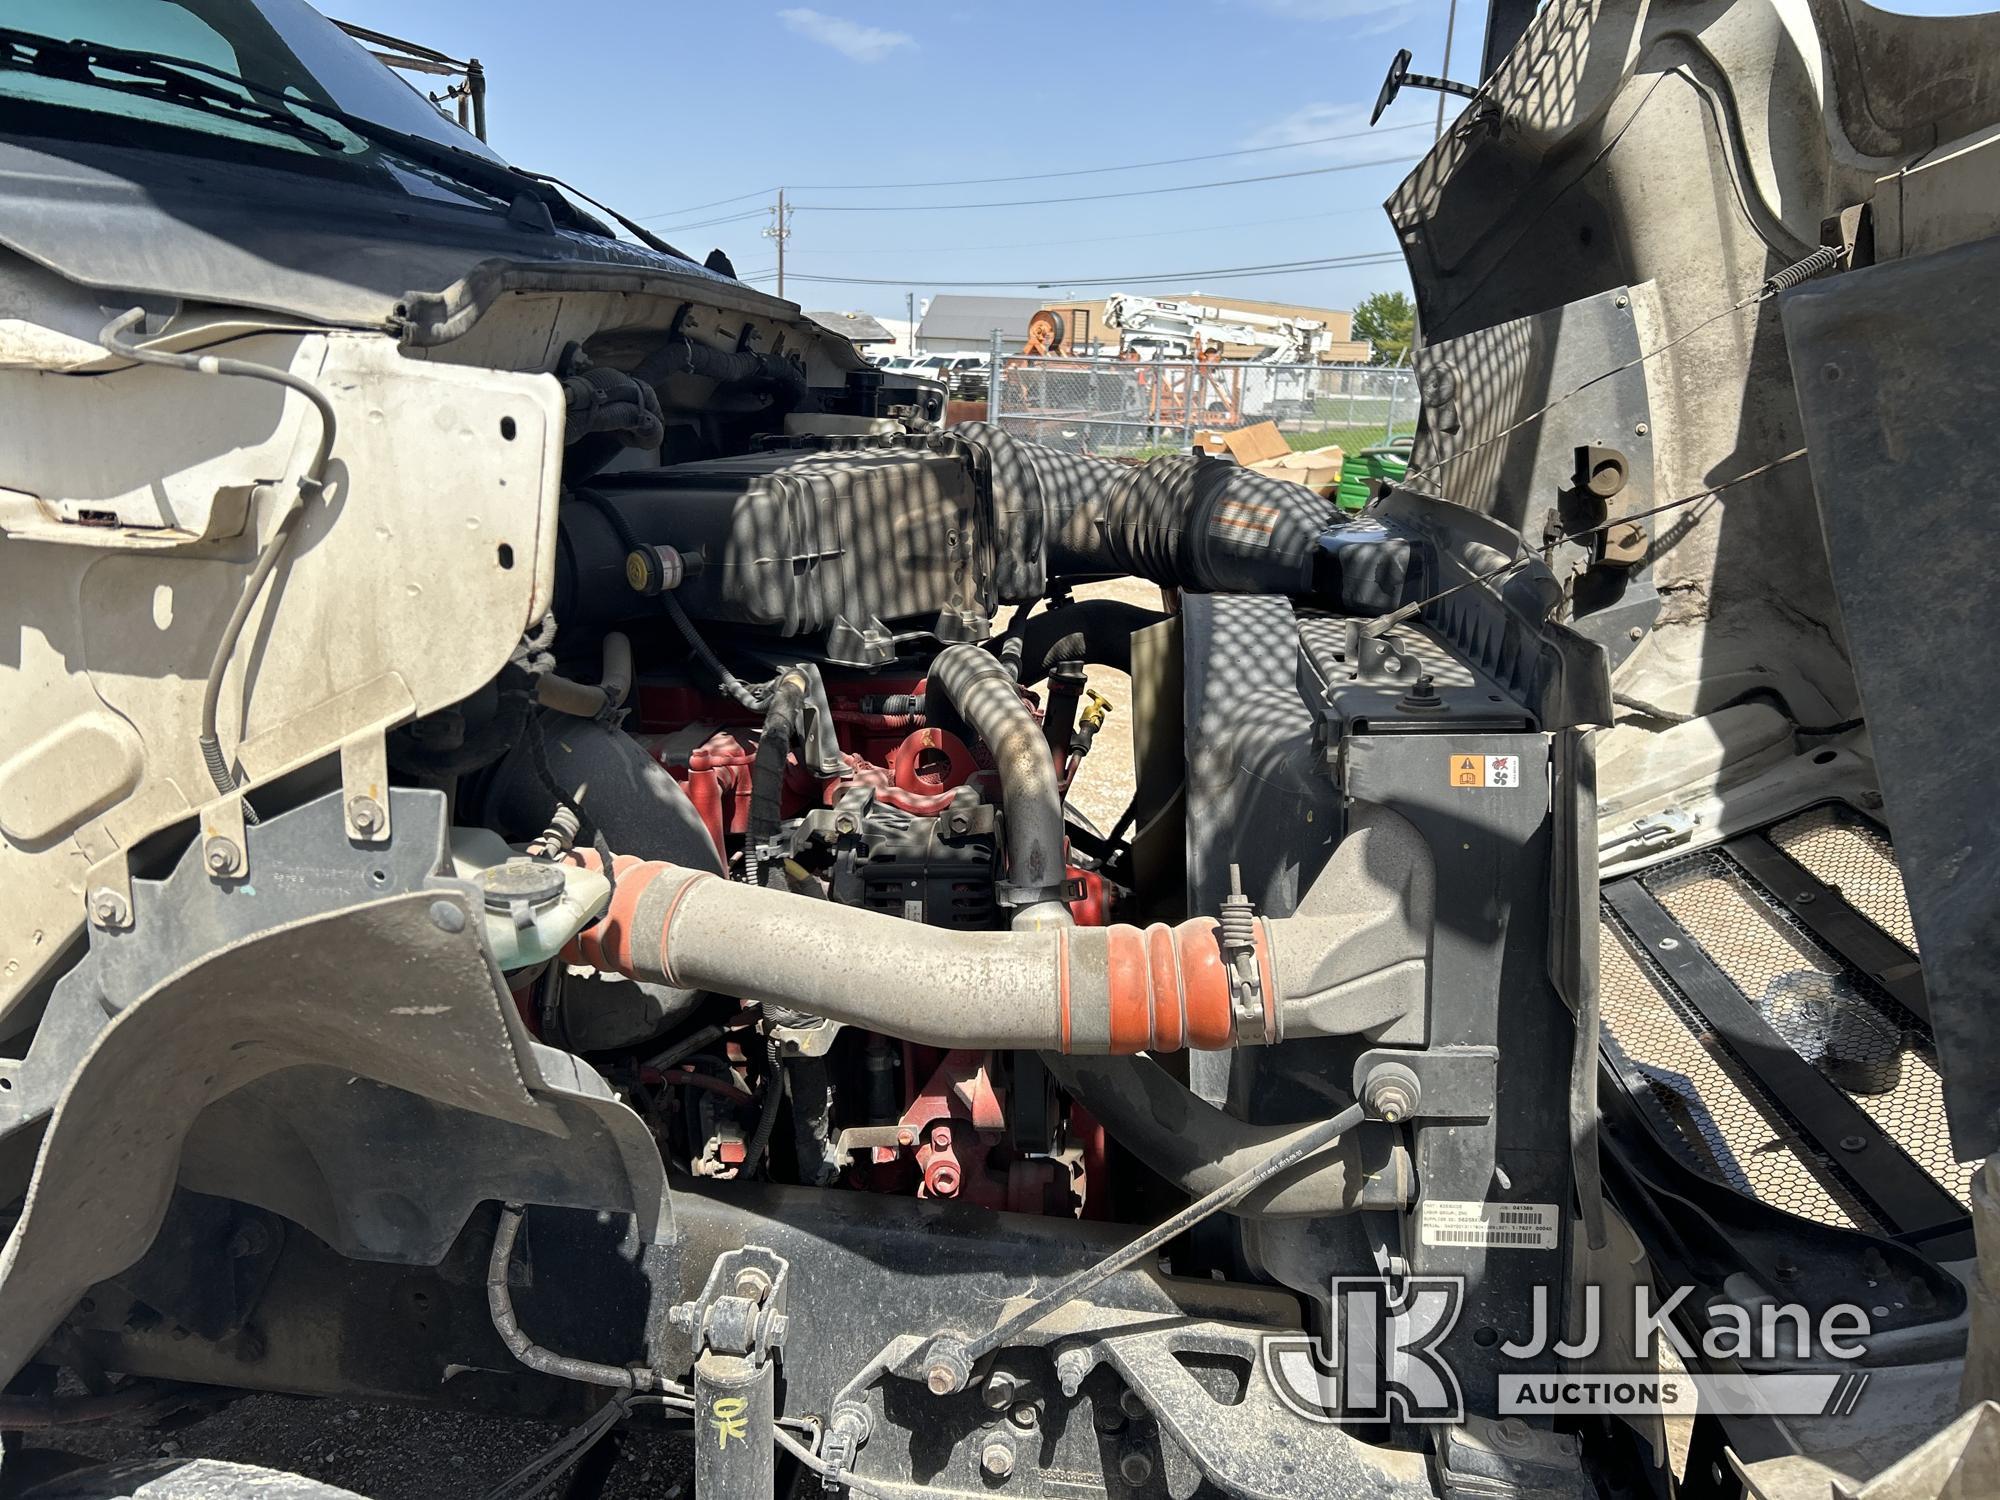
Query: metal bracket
point(225, 850)
point(1455, 1083)
point(364, 788)
point(108, 892)
point(741, 1307)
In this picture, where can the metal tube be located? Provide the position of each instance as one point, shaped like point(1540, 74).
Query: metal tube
point(735, 1417)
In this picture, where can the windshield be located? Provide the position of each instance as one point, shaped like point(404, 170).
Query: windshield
point(282, 46)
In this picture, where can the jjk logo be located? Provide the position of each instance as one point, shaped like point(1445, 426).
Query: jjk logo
point(1383, 1363)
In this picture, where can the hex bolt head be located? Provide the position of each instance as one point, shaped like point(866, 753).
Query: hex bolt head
point(447, 917)
point(997, 1459)
point(999, 1390)
point(752, 1283)
point(365, 813)
point(1023, 1415)
point(1511, 1432)
point(1130, 1404)
point(109, 909)
point(947, 1372)
point(220, 855)
point(1134, 1467)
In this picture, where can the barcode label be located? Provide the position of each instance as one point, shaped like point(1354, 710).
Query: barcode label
point(1490, 1226)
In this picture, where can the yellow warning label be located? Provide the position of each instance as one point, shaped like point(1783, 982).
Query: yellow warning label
point(1485, 770)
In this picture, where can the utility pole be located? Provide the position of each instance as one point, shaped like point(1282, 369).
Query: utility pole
point(780, 230)
point(910, 307)
point(1450, 26)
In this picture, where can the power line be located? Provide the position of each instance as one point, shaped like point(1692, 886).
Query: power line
point(1133, 166)
point(1179, 187)
point(748, 213)
point(695, 208)
point(1278, 268)
point(1130, 166)
point(1106, 239)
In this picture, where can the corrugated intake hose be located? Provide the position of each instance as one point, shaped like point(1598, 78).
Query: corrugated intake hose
point(986, 696)
point(1198, 1147)
point(1207, 525)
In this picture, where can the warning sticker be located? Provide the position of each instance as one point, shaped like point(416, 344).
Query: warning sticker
point(1490, 1226)
point(1485, 770)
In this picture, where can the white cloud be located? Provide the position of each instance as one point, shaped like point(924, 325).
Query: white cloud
point(851, 39)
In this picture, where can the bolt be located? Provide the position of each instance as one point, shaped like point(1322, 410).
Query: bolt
point(219, 854)
point(1667, 945)
point(1805, 898)
point(1620, 302)
point(1130, 1404)
point(1852, 1142)
point(947, 1372)
point(906, 1137)
point(1109, 1419)
point(1134, 1466)
point(1072, 1364)
point(752, 1283)
point(843, 825)
point(449, 918)
point(997, 1459)
point(1023, 1415)
point(1785, 1268)
point(941, 1138)
point(1390, 1093)
point(1637, 633)
point(365, 813)
point(108, 909)
point(1511, 1432)
point(1640, 429)
point(1000, 1389)
point(960, 823)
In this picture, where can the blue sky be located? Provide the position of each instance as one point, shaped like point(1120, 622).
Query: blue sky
point(661, 108)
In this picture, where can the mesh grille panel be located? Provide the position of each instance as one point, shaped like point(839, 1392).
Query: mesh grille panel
point(1836, 1019)
point(1727, 1130)
point(1849, 853)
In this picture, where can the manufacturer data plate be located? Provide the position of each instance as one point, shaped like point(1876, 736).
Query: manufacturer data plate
point(1491, 1226)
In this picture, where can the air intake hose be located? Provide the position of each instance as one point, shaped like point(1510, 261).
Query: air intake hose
point(1207, 525)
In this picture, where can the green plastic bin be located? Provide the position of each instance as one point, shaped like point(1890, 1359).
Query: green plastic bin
point(1390, 461)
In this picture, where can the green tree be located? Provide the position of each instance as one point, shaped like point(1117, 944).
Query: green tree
point(1388, 320)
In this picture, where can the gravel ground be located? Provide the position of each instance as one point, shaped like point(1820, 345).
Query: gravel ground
point(381, 1451)
point(403, 1453)
point(1104, 785)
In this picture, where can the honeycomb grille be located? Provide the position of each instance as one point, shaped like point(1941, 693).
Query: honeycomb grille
point(1832, 1015)
point(1846, 851)
point(1727, 1128)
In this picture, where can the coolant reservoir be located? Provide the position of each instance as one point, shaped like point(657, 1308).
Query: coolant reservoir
point(532, 907)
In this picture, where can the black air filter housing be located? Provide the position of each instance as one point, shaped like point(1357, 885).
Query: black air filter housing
point(849, 546)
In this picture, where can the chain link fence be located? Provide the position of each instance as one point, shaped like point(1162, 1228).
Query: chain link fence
point(1139, 408)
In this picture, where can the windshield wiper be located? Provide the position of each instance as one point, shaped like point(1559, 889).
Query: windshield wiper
point(152, 78)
